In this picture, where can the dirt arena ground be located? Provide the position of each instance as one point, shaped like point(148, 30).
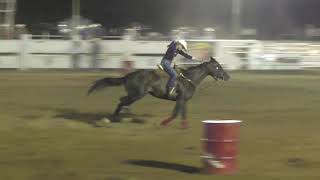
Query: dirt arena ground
point(49, 129)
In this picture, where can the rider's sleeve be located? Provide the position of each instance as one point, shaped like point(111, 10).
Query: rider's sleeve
point(184, 54)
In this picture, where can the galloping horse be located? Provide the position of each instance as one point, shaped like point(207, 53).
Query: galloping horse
point(143, 82)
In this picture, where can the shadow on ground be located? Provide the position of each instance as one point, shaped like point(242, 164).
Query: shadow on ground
point(93, 118)
point(164, 165)
point(85, 117)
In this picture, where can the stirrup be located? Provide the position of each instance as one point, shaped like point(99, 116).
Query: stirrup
point(172, 91)
point(160, 67)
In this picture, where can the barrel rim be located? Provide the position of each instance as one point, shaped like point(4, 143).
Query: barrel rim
point(221, 121)
point(220, 140)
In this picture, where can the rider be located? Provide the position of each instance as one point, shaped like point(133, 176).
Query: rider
point(174, 48)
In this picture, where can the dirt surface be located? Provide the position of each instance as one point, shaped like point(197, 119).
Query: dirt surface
point(50, 130)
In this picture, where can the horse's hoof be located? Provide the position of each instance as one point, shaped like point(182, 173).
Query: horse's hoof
point(115, 119)
point(166, 122)
point(184, 125)
point(125, 110)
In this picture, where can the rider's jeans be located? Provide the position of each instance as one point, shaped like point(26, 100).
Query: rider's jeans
point(166, 64)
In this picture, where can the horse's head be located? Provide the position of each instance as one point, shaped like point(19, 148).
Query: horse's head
point(216, 70)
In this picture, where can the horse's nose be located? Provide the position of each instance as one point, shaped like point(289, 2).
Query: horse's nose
point(226, 77)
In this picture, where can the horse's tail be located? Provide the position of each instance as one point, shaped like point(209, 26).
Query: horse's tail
point(105, 82)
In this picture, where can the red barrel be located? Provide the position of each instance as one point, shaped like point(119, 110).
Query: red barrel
point(220, 145)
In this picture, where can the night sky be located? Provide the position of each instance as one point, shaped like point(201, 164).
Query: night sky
point(271, 17)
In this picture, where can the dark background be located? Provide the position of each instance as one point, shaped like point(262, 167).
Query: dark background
point(270, 17)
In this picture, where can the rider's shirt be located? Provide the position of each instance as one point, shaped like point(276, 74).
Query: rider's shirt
point(172, 52)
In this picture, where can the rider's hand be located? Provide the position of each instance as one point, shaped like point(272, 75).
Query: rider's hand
point(194, 58)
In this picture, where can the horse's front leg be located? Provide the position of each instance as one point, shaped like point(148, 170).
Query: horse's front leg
point(177, 109)
point(184, 122)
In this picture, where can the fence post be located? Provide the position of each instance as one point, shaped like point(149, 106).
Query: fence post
point(24, 50)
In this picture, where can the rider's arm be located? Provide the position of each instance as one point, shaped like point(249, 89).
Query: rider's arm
point(184, 54)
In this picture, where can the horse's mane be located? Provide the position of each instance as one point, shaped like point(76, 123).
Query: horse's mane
point(192, 68)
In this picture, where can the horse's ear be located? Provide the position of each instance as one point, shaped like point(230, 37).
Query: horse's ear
point(212, 59)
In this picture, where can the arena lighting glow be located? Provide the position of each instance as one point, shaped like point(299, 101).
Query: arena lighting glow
point(20, 25)
point(81, 27)
point(94, 25)
point(209, 29)
point(65, 30)
point(62, 25)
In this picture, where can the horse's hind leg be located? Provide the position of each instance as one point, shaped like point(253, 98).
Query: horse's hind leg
point(125, 101)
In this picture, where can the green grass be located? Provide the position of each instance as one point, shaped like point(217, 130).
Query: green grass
point(48, 132)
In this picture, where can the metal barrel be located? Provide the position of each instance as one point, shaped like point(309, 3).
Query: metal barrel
point(220, 146)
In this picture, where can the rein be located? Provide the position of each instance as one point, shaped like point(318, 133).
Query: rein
point(189, 80)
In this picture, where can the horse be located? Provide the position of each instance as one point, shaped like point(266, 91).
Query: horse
point(142, 82)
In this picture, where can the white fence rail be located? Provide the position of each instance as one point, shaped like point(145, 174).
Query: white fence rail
point(233, 54)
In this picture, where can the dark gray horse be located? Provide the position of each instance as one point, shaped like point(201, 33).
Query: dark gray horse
point(143, 82)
